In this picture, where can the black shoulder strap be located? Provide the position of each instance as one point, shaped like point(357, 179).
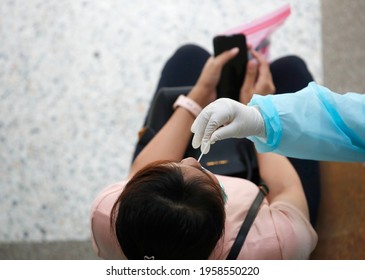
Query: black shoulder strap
point(246, 225)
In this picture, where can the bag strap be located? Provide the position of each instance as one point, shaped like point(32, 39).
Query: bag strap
point(246, 225)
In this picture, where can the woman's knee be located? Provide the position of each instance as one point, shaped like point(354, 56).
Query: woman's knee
point(191, 50)
point(290, 74)
point(184, 66)
point(291, 62)
point(187, 53)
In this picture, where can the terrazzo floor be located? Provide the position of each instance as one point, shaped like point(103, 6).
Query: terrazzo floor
point(76, 78)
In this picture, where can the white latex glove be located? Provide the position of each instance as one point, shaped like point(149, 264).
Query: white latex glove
point(225, 118)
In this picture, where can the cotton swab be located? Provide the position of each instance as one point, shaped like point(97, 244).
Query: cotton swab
point(203, 152)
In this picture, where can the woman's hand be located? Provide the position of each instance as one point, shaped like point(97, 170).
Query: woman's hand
point(258, 78)
point(205, 91)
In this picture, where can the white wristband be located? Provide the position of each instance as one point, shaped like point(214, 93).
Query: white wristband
point(188, 104)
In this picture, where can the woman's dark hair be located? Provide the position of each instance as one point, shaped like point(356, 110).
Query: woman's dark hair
point(162, 214)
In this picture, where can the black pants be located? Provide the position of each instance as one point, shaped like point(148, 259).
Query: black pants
point(290, 74)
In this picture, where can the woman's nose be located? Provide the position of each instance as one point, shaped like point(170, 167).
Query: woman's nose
point(190, 161)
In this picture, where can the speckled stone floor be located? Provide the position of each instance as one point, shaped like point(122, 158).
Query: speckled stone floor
point(76, 78)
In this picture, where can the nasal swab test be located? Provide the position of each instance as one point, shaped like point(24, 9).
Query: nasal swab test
point(201, 155)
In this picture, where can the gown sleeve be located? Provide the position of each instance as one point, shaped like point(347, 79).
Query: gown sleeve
point(314, 123)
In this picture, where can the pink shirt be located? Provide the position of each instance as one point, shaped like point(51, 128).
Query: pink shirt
point(280, 230)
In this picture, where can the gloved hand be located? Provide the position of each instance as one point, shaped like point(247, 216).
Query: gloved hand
point(225, 118)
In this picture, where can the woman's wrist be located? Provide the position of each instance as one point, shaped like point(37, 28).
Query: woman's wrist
point(188, 104)
point(201, 96)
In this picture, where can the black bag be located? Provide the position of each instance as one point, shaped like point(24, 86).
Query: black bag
point(230, 157)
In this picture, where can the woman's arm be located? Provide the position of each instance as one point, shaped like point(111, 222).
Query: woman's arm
point(171, 141)
point(283, 181)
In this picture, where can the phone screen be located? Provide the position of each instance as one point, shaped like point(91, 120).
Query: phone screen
point(233, 73)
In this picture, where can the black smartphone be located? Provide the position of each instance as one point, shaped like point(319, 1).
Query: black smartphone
point(233, 73)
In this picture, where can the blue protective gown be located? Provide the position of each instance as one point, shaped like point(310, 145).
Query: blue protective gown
point(314, 123)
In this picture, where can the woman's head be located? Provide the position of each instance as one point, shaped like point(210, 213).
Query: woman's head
point(170, 211)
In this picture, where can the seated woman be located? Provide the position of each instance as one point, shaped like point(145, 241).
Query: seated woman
point(172, 208)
